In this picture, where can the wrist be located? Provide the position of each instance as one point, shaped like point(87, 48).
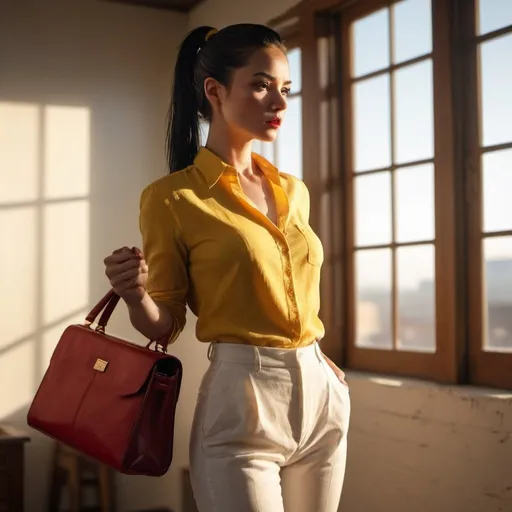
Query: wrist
point(136, 301)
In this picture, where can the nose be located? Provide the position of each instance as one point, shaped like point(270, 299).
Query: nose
point(279, 102)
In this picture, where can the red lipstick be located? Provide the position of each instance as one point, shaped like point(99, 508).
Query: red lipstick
point(275, 123)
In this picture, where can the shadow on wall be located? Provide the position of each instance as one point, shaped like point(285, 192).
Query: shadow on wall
point(85, 89)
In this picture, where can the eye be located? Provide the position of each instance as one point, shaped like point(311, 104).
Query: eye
point(285, 91)
point(261, 86)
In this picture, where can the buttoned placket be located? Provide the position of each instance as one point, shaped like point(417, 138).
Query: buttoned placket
point(278, 233)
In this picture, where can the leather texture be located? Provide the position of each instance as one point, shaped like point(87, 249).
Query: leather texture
point(111, 399)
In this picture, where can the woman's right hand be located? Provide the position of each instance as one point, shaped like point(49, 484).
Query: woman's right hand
point(127, 272)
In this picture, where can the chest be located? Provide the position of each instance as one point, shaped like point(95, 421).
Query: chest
point(261, 196)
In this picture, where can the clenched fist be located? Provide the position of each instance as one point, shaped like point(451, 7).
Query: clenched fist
point(127, 272)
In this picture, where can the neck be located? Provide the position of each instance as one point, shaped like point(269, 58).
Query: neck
point(233, 150)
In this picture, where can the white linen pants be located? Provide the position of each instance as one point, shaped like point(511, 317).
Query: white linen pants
point(269, 431)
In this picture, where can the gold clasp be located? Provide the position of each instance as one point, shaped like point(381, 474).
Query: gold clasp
point(100, 365)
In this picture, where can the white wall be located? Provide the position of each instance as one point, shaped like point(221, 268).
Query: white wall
point(84, 89)
point(417, 446)
point(219, 13)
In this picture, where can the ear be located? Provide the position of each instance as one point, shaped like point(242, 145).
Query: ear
point(214, 92)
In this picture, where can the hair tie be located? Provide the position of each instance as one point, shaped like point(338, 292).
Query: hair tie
point(211, 33)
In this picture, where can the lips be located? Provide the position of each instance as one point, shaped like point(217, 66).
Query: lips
point(275, 123)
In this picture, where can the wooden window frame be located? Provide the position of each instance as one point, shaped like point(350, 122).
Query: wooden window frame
point(485, 368)
point(440, 365)
point(459, 358)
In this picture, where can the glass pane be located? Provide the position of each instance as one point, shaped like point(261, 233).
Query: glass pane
point(416, 298)
point(372, 137)
point(414, 113)
point(414, 193)
point(412, 29)
point(497, 181)
point(373, 209)
point(494, 14)
point(496, 71)
point(374, 299)
point(294, 60)
point(204, 128)
point(289, 140)
point(371, 43)
point(498, 285)
point(265, 149)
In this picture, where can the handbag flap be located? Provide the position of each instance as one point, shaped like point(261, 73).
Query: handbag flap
point(124, 367)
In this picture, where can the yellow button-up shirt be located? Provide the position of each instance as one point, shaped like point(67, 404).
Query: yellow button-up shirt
point(247, 279)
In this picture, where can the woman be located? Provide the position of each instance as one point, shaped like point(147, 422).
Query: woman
point(228, 234)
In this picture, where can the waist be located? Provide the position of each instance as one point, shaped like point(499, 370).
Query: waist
point(264, 356)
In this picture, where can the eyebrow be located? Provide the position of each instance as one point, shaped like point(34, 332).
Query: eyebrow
point(270, 77)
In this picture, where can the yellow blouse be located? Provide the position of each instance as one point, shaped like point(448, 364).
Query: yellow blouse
point(245, 278)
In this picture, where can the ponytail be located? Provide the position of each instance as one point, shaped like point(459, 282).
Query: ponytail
point(183, 135)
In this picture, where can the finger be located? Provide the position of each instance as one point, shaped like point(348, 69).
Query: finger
point(120, 279)
point(115, 269)
point(138, 252)
point(129, 285)
point(120, 257)
point(122, 249)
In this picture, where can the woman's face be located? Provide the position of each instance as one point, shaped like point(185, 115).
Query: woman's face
point(253, 106)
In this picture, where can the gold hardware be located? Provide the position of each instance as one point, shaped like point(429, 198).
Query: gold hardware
point(100, 365)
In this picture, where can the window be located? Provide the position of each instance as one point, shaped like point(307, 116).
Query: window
point(409, 160)
point(488, 144)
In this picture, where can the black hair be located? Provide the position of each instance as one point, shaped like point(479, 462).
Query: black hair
point(199, 58)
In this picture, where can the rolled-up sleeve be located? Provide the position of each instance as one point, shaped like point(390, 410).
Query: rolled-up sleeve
point(166, 255)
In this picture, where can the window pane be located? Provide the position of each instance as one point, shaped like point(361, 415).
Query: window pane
point(412, 29)
point(494, 14)
point(373, 209)
point(265, 149)
point(498, 285)
point(414, 193)
point(294, 60)
point(496, 69)
point(371, 43)
point(373, 296)
point(416, 298)
point(414, 113)
point(372, 138)
point(497, 182)
point(289, 140)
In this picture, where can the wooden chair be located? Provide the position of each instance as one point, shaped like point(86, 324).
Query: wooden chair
point(72, 472)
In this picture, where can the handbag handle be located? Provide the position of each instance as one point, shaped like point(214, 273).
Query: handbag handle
point(107, 304)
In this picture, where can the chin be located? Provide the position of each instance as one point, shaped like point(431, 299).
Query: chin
point(268, 135)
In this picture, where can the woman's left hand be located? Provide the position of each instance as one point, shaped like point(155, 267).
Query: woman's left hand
point(339, 373)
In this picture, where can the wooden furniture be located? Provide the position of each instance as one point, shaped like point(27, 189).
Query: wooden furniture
point(72, 473)
point(12, 453)
point(188, 502)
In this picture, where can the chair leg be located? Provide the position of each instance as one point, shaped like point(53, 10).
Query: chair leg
point(56, 481)
point(74, 486)
point(106, 491)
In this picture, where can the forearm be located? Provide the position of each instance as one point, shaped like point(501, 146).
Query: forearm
point(151, 319)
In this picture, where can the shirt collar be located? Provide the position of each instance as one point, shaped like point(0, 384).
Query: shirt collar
point(212, 167)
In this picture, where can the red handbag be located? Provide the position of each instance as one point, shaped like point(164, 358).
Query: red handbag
point(110, 399)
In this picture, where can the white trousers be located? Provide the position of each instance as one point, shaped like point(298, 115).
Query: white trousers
point(269, 431)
